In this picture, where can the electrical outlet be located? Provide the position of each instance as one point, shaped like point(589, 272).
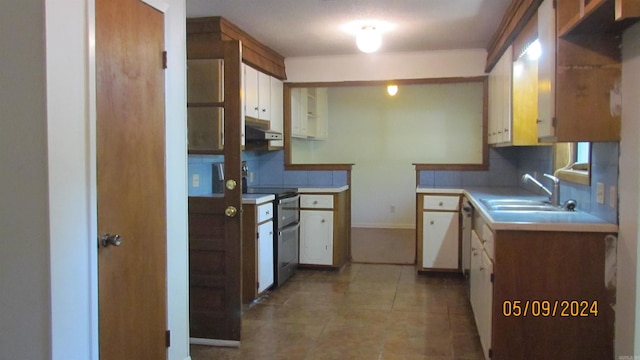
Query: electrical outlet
point(600, 193)
point(613, 197)
point(195, 180)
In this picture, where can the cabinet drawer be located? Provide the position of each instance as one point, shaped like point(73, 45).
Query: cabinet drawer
point(441, 202)
point(265, 212)
point(316, 201)
point(487, 239)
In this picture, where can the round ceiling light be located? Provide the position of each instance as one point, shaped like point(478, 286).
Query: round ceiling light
point(368, 39)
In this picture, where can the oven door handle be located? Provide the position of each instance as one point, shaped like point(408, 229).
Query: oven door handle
point(289, 228)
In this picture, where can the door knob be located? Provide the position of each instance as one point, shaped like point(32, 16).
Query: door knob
point(110, 240)
point(230, 211)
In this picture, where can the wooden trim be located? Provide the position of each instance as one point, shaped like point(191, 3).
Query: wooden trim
point(627, 9)
point(574, 176)
point(514, 20)
point(597, 16)
point(445, 80)
point(318, 167)
point(287, 86)
point(452, 167)
point(218, 29)
point(528, 34)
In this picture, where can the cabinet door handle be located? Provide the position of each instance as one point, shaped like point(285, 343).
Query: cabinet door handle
point(256, 108)
point(432, 222)
point(323, 221)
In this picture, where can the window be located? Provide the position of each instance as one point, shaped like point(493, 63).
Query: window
point(571, 162)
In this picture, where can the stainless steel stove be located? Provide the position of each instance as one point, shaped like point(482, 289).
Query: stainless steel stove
point(286, 227)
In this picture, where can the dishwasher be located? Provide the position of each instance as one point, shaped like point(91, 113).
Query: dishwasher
point(467, 227)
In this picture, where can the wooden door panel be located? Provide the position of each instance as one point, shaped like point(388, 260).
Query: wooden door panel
point(130, 137)
point(211, 265)
point(214, 238)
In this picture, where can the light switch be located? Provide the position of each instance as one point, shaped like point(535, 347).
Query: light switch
point(600, 193)
point(195, 180)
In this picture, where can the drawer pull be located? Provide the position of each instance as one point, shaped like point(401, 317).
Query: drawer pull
point(440, 203)
point(323, 221)
point(315, 202)
point(432, 222)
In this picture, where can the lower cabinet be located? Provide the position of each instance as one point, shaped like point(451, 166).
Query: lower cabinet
point(257, 250)
point(481, 291)
point(438, 232)
point(324, 228)
point(265, 256)
point(316, 237)
point(543, 294)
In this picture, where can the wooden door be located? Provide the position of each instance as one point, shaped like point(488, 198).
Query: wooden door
point(130, 136)
point(215, 223)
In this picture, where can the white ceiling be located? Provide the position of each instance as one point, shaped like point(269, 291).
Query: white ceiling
point(316, 27)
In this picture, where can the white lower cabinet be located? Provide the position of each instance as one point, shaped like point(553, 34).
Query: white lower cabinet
point(481, 291)
point(265, 256)
point(440, 240)
point(316, 237)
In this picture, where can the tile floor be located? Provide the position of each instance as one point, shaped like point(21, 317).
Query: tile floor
point(361, 312)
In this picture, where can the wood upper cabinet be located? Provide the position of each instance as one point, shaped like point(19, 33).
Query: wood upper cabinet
point(205, 105)
point(580, 97)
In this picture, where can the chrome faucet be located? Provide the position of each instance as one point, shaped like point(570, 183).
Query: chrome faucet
point(554, 196)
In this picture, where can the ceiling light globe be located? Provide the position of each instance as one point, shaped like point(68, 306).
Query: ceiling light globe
point(368, 39)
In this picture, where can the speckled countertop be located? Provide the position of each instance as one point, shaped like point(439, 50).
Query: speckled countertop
point(574, 221)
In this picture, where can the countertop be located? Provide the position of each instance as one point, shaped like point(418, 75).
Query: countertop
point(336, 189)
point(246, 198)
point(575, 221)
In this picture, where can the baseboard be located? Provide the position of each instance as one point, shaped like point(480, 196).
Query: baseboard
point(214, 342)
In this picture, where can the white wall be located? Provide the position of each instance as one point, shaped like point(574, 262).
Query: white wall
point(387, 66)
point(48, 282)
point(70, 226)
point(627, 324)
point(24, 233)
point(177, 223)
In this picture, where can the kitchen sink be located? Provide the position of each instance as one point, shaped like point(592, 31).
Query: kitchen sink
point(520, 205)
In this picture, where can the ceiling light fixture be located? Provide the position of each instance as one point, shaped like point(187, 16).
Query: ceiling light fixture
point(392, 89)
point(368, 39)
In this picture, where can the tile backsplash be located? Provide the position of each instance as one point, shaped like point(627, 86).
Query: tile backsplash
point(508, 164)
point(506, 167)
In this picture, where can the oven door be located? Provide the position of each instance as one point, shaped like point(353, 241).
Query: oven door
point(288, 211)
point(287, 252)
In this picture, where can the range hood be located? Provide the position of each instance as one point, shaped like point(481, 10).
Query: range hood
point(255, 133)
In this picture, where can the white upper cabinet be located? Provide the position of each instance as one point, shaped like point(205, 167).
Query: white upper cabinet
point(257, 87)
point(276, 110)
point(309, 113)
point(500, 82)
